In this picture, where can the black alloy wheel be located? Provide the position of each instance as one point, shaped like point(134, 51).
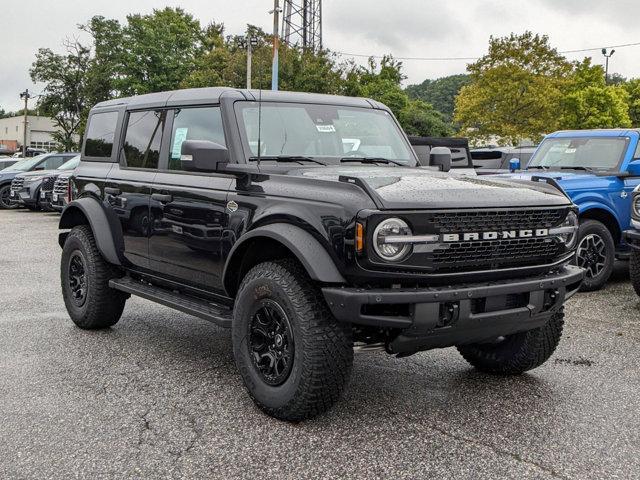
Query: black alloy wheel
point(271, 342)
point(591, 255)
point(78, 278)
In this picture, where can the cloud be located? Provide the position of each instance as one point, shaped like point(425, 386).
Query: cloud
point(406, 28)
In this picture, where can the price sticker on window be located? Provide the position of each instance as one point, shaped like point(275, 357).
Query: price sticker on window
point(178, 139)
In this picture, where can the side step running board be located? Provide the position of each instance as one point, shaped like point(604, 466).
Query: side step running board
point(221, 316)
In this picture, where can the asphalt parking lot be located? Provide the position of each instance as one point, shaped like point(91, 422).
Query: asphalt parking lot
point(158, 396)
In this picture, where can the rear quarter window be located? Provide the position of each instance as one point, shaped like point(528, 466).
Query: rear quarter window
point(100, 135)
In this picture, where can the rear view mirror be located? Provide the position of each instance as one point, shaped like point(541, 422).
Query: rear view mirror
point(634, 168)
point(203, 156)
point(514, 164)
point(440, 157)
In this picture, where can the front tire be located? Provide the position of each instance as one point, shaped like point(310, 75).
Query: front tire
point(595, 253)
point(5, 197)
point(634, 270)
point(85, 276)
point(517, 353)
point(294, 358)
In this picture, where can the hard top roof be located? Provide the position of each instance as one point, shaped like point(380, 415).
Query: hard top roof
point(212, 95)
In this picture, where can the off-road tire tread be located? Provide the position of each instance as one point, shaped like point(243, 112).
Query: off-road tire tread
point(328, 343)
point(521, 352)
point(105, 305)
point(634, 271)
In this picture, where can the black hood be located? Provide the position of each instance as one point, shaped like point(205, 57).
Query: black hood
point(411, 188)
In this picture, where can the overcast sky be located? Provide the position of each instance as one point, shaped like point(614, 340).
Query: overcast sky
point(405, 28)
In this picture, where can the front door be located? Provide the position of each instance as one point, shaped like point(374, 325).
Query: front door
point(188, 209)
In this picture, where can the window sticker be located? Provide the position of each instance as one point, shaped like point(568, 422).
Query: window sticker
point(326, 128)
point(180, 137)
point(570, 150)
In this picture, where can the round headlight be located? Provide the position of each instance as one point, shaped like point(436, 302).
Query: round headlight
point(571, 221)
point(387, 241)
point(636, 206)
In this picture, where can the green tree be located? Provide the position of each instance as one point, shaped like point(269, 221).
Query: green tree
point(633, 90)
point(63, 97)
point(589, 102)
point(421, 118)
point(441, 93)
point(514, 90)
point(158, 51)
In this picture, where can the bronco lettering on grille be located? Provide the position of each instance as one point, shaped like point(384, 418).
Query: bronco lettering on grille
point(503, 235)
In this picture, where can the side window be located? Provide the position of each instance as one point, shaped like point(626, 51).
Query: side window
point(144, 137)
point(100, 134)
point(51, 163)
point(636, 155)
point(203, 123)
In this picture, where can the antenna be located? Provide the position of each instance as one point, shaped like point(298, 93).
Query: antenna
point(259, 111)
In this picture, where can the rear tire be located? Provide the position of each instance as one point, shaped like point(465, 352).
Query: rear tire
point(634, 270)
point(517, 353)
point(85, 276)
point(595, 253)
point(294, 357)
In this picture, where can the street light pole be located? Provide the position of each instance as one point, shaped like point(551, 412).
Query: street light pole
point(606, 64)
point(25, 96)
point(276, 40)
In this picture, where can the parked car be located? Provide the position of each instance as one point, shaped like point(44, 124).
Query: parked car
point(259, 216)
point(60, 196)
point(493, 160)
point(47, 185)
point(7, 162)
point(459, 147)
point(25, 187)
point(598, 170)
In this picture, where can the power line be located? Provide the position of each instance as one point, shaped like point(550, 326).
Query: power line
point(361, 55)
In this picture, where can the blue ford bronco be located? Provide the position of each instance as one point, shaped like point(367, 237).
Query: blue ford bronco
point(598, 170)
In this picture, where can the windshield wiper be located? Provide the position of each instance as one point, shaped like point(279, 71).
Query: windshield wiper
point(578, 167)
point(542, 167)
point(369, 160)
point(287, 158)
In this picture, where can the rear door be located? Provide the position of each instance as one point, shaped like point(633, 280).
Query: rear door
point(189, 209)
point(128, 187)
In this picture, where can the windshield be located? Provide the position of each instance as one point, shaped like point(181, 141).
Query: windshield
point(326, 133)
point(70, 164)
point(598, 153)
point(26, 164)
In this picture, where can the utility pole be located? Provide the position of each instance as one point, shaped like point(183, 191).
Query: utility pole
point(276, 41)
point(606, 63)
point(25, 96)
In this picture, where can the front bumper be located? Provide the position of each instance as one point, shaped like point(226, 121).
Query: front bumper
point(446, 316)
point(24, 196)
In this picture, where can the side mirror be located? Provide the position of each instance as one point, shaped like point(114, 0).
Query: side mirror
point(440, 157)
point(634, 168)
point(514, 164)
point(203, 156)
point(39, 167)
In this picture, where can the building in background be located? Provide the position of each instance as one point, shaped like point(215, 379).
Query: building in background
point(40, 132)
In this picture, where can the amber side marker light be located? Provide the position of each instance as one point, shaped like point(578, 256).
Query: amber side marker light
point(359, 237)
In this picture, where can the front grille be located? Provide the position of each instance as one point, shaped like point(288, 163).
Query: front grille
point(47, 184)
point(60, 185)
point(17, 183)
point(500, 253)
point(496, 254)
point(492, 220)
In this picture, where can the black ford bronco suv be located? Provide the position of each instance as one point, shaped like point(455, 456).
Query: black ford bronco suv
point(304, 224)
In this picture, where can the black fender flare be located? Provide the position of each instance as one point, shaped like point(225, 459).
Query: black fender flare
point(88, 210)
point(306, 248)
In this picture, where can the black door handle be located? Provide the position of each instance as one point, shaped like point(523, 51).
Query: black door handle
point(161, 197)
point(111, 191)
